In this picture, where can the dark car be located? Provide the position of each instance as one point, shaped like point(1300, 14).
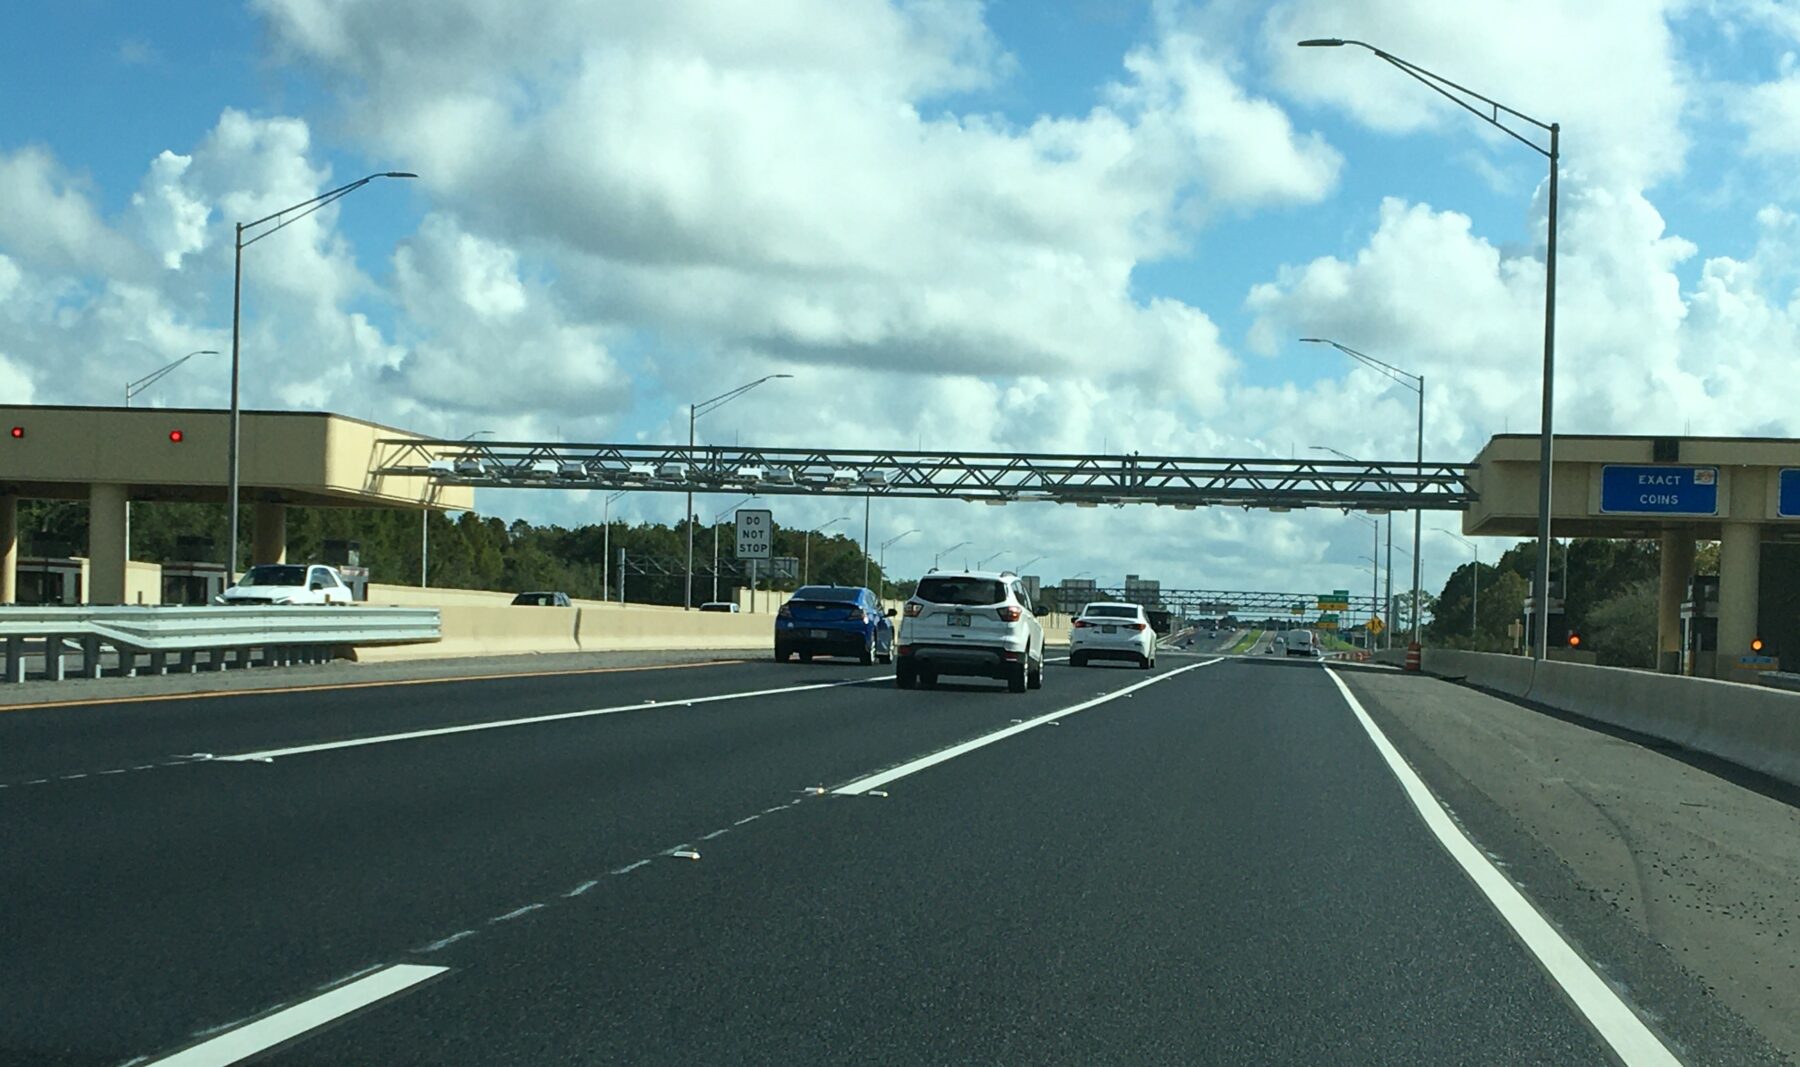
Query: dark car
point(542, 600)
point(834, 620)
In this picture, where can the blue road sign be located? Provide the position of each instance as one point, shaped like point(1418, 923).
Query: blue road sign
point(1789, 505)
point(1659, 490)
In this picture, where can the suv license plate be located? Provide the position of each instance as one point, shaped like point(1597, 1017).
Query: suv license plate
point(818, 633)
point(959, 618)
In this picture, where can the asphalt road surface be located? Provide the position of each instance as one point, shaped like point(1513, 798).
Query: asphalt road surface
point(1208, 862)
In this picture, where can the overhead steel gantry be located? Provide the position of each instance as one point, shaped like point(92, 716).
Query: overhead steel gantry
point(1233, 602)
point(1089, 480)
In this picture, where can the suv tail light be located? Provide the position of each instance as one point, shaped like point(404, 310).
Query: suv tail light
point(784, 612)
point(912, 609)
point(1008, 613)
point(856, 615)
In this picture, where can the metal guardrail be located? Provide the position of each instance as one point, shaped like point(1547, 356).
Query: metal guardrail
point(197, 638)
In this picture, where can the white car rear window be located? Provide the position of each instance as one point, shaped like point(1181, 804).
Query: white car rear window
point(967, 592)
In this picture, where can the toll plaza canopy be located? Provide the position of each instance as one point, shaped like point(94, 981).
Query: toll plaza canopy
point(110, 456)
point(1739, 491)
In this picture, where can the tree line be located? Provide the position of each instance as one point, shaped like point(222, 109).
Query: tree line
point(467, 551)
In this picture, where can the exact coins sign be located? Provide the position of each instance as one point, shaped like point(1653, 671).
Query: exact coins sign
point(755, 533)
point(1788, 505)
point(1659, 490)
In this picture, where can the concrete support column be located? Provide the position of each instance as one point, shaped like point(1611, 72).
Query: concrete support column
point(270, 535)
point(9, 549)
point(106, 544)
point(1740, 568)
point(1672, 586)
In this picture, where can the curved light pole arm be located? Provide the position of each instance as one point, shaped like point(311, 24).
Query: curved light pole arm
point(1460, 95)
point(322, 200)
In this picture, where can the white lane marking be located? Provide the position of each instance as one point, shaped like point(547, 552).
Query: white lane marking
point(1610, 1016)
point(267, 755)
point(515, 913)
point(446, 942)
point(353, 976)
point(310, 1014)
point(629, 867)
point(582, 888)
point(746, 819)
point(875, 781)
point(715, 833)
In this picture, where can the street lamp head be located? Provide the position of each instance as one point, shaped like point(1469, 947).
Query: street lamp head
point(207, 352)
point(398, 174)
point(1322, 42)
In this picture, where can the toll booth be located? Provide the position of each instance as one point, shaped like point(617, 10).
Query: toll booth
point(192, 582)
point(49, 581)
point(1700, 626)
point(346, 556)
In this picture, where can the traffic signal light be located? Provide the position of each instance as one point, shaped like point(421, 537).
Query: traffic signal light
point(18, 432)
point(1574, 639)
point(176, 437)
point(1756, 645)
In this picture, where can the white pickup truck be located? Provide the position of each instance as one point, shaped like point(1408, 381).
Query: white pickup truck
point(288, 583)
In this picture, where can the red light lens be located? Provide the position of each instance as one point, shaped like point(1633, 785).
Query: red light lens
point(856, 615)
point(784, 612)
point(1082, 624)
point(1574, 640)
point(1009, 613)
point(176, 436)
point(1756, 645)
point(912, 609)
point(18, 432)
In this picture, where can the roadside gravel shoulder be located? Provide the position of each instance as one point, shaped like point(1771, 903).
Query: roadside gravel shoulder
point(1678, 884)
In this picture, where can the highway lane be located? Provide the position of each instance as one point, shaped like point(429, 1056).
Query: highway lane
point(1213, 866)
point(153, 904)
point(1215, 869)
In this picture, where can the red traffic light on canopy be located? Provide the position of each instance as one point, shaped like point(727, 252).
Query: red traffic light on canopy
point(1574, 640)
point(176, 436)
point(18, 432)
point(1756, 644)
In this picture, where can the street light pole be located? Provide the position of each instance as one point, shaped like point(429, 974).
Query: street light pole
point(694, 412)
point(939, 558)
point(425, 524)
point(806, 565)
point(717, 519)
point(132, 389)
point(281, 220)
point(884, 548)
point(1474, 577)
point(1415, 382)
point(1492, 115)
point(606, 550)
point(982, 564)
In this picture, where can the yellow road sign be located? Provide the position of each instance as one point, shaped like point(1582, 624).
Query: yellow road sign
point(1375, 626)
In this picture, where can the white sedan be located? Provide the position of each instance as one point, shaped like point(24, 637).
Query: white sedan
point(1112, 631)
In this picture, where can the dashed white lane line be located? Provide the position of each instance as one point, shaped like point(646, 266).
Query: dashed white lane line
point(875, 781)
point(746, 819)
point(265, 1033)
point(1630, 1039)
point(583, 887)
point(445, 942)
point(515, 913)
point(629, 867)
point(266, 755)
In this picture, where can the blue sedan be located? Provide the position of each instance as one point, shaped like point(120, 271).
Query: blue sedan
point(834, 620)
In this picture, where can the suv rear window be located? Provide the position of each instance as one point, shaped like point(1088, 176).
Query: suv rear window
point(1110, 611)
point(961, 591)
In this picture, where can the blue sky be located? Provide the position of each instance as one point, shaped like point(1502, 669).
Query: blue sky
point(1013, 225)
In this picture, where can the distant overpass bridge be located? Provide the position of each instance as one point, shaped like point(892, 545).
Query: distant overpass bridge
point(1081, 479)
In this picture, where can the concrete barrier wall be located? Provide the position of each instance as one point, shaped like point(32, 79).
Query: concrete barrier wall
point(604, 630)
point(1751, 726)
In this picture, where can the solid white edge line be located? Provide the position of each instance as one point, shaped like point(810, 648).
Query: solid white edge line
point(310, 1014)
point(496, 724)
point(1627, 1035)
point(875, 781)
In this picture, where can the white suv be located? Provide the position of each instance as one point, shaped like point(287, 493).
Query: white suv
point(1112, 631)
point(970, 622)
